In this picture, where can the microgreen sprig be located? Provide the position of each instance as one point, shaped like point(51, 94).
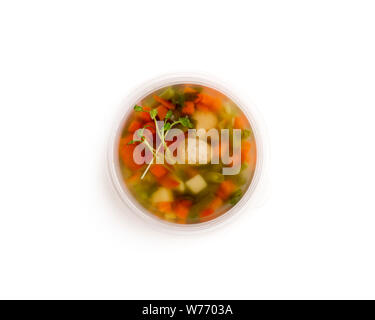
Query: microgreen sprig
point(162, 132)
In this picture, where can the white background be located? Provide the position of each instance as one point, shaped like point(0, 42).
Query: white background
point(65, 68)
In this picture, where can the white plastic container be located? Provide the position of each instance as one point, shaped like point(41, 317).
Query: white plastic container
point(114, 166)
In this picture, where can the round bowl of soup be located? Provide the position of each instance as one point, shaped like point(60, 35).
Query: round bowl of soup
point(185, 153)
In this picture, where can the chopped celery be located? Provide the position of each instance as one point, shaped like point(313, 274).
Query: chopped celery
point(149, 101)
point(198, 89)
point(214, 177)
point(241, 179)
point(167, 94)
point(178, 99)
point(235, 197)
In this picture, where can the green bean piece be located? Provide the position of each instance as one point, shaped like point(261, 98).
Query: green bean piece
point(214, 177)
point(235, 197)
point(167, 94)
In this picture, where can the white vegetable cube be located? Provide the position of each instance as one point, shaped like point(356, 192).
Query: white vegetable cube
point(162, 195)
point(205, 120)
point(196, 184)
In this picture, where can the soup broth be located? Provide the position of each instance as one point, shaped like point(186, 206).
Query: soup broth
point(184, 192)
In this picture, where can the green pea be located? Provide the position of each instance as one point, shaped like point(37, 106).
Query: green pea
point(214, 177)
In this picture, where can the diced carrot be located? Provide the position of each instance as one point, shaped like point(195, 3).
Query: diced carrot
point(246, 146)
point(188, 108)
point(248, 153)
point(202, 107)
point(126, 153)
point(144, 115)
point(162, 111)
point(206, 213)
point(182, 208)
point(241, 122)
point(226, 188)
point(215, 203)
point(158, 170)
point(150, 126)
point(186, 202)
point(134, 126)
point(168, 182)
point(164, 206)
point(165, 103)
point(216, 104)
point(205, 99)
point(212, 103)
point(189, 90)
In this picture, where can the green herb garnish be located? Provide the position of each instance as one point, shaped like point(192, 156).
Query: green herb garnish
point(168, 115)
point(185, 121)
point(153, 113)
point(235, 197)
point(161, 132)
point(178, 99)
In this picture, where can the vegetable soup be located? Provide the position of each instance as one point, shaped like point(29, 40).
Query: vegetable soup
point(187, 153)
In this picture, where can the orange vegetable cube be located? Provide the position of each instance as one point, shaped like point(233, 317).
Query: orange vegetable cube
point(126, 153)
point(226, 188)
point(216, 203)
point(188, 108)
point(182, 208)
point(241, 122)
point(164, 206)
point(202, 107)
point(158, 170)
point(134, 126)
point(165, 103)
point(169, 182)
point(189, 90)
point(144, 115)
point(248, 152)
point(206, 213)
point(162, 111)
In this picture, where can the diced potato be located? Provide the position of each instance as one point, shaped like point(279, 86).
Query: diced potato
point(196, 184)
point(228, 107)
point(205, 120)
point(162, 195)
